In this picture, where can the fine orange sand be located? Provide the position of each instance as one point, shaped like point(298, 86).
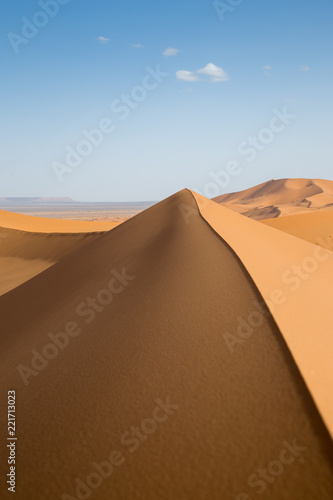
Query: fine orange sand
point(281, 197)
point(44, 225)
point(29, 245)
point(23, 255)
point(294, 278)
point(190, 277)
point(317, 227)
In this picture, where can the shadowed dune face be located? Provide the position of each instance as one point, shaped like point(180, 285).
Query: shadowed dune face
point(281, 197)
point(29, 245)
point(23, 255)
point(162, 336)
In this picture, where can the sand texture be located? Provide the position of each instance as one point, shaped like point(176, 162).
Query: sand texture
point(317, 227)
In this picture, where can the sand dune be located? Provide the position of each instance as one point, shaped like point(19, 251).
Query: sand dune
point(26, 223)
point(316, 227)
point(281, 197)
point(291, 274)
point(29, 245)
point(23, 255)
point(177, 289)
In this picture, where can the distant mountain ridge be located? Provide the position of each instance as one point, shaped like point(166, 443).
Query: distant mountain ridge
point(35, 201)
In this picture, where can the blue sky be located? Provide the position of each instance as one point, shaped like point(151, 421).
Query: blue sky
point(264, 57)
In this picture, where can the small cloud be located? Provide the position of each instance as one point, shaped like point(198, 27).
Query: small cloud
point(136, 45)
point(170, 52)
point(305, 69)
point(214, 73)
point(267, 70)
point(186, 76)
point(103, 39)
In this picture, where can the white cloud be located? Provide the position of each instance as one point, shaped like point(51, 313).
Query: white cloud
point(137, 45)
point(305, 69)
point(186, 76)
point(103, 39)
point(214, 73)
point(170, 52)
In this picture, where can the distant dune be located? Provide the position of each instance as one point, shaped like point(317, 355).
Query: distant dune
point(315, 227)
point(281, 197)
point(31, 224)
point(23, 255)
point(29, 245)
point(140, 341)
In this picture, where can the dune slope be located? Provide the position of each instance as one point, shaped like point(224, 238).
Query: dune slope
point(23, 255)
point(294, 278)
point(317, 227)
point(29, 245)
point(162, 336)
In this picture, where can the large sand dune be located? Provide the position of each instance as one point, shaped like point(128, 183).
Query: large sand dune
point(294, 278)
point(281, 197)
point(177, 290)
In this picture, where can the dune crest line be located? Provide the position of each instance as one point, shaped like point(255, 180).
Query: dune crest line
point(303, 317)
